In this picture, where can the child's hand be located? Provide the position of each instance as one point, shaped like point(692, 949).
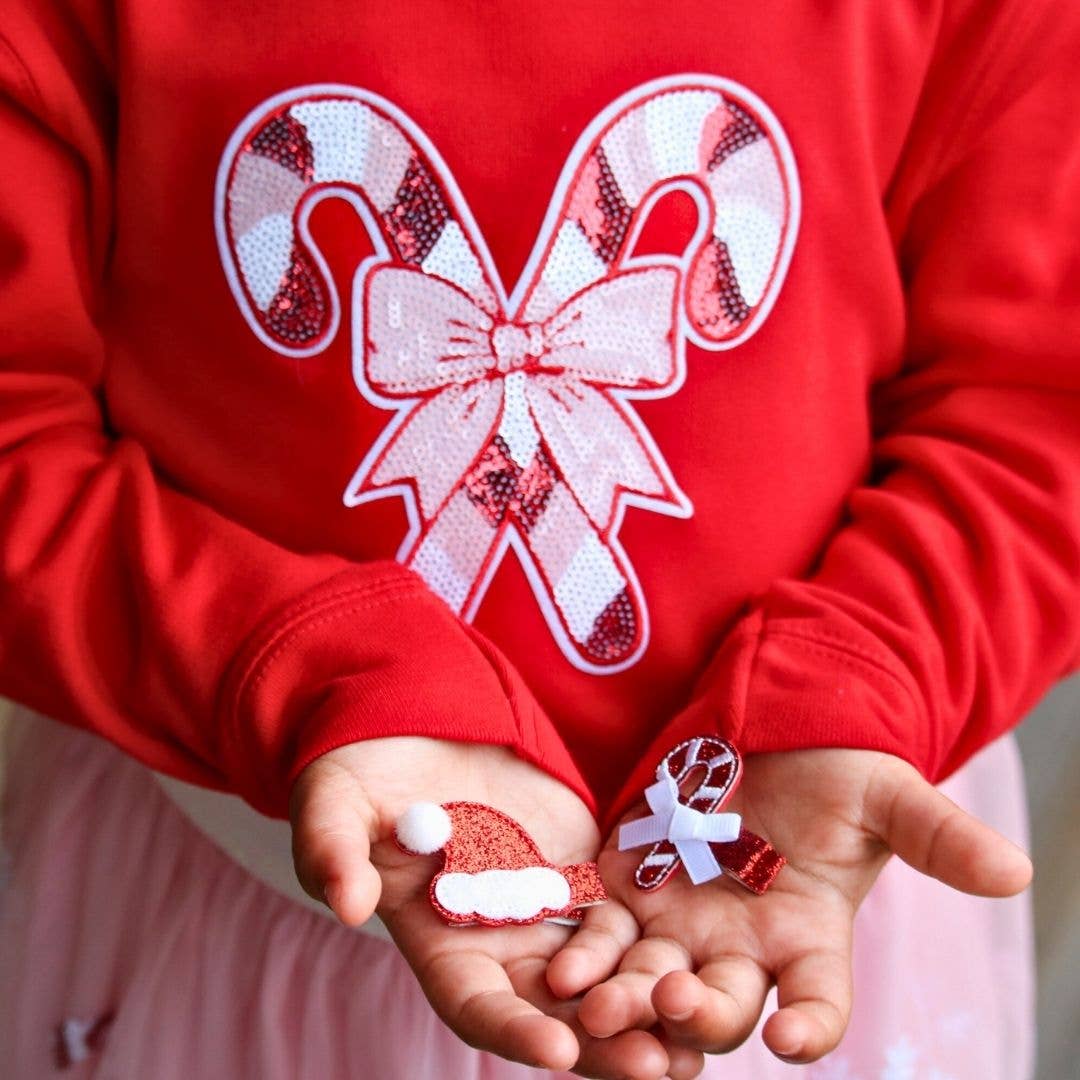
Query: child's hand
point(488, 984)
point(709, 953)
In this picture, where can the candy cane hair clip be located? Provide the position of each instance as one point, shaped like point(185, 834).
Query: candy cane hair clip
point(493, 872)
point(685, 826)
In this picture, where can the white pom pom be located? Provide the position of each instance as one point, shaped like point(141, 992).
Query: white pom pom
point(424, 828)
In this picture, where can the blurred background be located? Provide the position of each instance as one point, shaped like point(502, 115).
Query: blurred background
point(1050, 744)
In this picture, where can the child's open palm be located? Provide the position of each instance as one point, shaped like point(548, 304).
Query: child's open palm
point(708, 954)
point(488, 984)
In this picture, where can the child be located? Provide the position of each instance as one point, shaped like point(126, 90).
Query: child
point(775, 436)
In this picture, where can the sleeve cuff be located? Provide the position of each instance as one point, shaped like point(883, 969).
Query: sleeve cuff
point(776, 685)
point(363, 657)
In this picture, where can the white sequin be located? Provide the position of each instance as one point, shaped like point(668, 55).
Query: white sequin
point(452, 258)
point(437, 567)
point(590, 582)
point(673, 125)
point(572, 263)
point(265, 254)
point(626, 147)
point(261, 186)
point(749, 196)
point(354, 145)
point(516, 426)
point(339, 133)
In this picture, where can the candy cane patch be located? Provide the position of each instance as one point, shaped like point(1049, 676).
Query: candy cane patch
point(513, 422)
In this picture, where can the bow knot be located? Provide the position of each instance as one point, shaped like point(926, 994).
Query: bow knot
point(515, 345)
point(689, 824)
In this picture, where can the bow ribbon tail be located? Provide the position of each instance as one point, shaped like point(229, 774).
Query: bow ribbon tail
point(701, 864)
point(456, 531)
point(649, 830)
point(694, 833)
point(662, 797)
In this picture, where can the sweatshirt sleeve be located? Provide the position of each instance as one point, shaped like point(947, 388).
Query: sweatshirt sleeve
point(948, 601)
point(129, 607)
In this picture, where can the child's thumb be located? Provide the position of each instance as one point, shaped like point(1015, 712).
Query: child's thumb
point(935, 836)
point(331, 841)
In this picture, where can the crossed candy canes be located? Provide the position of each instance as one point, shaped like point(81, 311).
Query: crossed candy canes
point(692, 832)
point(513, 420)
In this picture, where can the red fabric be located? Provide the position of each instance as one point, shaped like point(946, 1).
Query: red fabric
point(885, 544)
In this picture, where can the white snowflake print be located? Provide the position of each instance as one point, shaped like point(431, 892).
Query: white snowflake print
point(900, 1061)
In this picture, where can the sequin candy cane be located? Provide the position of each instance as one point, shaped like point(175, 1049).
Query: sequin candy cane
point(690, 829)
point(514, 422)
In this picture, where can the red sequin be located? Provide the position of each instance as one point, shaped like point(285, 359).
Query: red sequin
point(500, 487)
point(615, 630)
point(416, 220)
point(740, 131)
point(298, 311)
point(284, 139)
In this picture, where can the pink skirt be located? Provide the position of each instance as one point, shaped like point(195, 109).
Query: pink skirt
point(133, 948)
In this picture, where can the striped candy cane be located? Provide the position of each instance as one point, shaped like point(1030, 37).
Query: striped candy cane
point(716, 766)
point(513, 420)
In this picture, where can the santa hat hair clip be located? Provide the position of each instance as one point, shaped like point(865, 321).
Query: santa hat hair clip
point(493, 873)
point(693, 782)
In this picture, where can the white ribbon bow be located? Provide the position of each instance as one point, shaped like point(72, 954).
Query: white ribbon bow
point(690, 830)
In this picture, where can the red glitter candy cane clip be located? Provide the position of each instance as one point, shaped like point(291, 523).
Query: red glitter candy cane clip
point(680, 829)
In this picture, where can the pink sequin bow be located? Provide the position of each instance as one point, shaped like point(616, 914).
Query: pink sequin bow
point(693, 782)
point(544, 380)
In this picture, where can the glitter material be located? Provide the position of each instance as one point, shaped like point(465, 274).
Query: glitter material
point(514, 426)
point(495, 875)
point(752, 861)
point(711, 769)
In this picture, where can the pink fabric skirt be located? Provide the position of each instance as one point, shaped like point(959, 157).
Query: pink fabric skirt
point(133, 948)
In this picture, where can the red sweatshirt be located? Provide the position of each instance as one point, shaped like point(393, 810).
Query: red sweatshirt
point(570, 377)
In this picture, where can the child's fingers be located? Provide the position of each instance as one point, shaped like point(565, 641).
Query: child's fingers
point(594, 951)
point(330, 842)
point(933, 835)
point(473, 994)
point(684, 1062)
point(814, 993)
point(715, 1010)
point(625, 1000)
point(638, 1055)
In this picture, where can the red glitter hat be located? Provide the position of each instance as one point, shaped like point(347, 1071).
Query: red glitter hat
point(493, 872)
